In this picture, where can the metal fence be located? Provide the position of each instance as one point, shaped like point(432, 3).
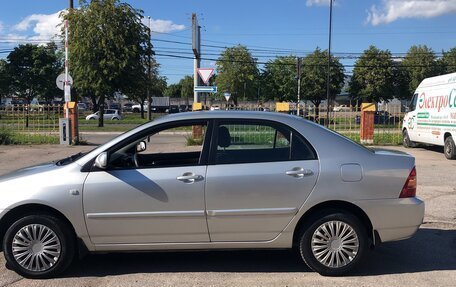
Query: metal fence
point(347, 121)
point(44, 120)
point(31, 122)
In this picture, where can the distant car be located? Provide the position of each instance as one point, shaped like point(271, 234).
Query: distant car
point(342, 108)
point(215, 107)
point(115, 106)
point(109, 114)
point(227, 180)
point(127, 107)
point(173, 109)
point(183, 108)
point(82, 107)
point(381, 118)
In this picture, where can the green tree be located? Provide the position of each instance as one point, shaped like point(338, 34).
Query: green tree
point(418, 64)
point(373, 76)
point(108, 45)
point(32, 71)
point(4, 79)
point(314, 77)
point(449, 61)
point(279, 78)
point(137, 91)
point(173, 90)
point(237, 73)
point(187, 87)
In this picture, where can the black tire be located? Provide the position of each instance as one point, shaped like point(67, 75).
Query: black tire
point(305, 243)
point(406, 142)
point(449, 148)
point(64, 235)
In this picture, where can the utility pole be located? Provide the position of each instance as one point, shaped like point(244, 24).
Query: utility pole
point(70, 4)
point(149, 98)
point(298, 76)
point(196, 47)
point(329, 63)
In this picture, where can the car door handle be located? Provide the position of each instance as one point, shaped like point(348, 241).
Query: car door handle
point(299, 172)
point(189, 177)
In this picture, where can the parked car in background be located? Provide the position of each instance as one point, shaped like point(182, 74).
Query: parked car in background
point(382, 118)
point(82, 107)
point(215, 107)
point(127, 107)
point(183, 108)
point(342, 108)
point(109, 114)
point(115, 106)
point(173, 109)
point(248, 180)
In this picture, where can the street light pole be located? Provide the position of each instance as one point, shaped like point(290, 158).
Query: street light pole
point(149, 98)
point(329, 64)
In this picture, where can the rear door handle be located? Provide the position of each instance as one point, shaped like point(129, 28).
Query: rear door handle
point(189, 177)
point(299, 172)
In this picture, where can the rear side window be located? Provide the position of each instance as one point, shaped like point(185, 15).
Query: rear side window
point(250, 142)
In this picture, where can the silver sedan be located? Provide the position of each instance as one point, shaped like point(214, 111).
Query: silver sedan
point(212, 180)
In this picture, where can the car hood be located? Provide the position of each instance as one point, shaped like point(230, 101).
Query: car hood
point(28, 171)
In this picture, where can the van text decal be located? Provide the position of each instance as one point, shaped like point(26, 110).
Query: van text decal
point(437, 102)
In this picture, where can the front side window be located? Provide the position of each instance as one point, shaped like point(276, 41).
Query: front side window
point(178, 145)
point(259, 142)
point(413, 103)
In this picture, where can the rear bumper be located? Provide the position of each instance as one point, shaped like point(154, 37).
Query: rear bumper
point(394, 219)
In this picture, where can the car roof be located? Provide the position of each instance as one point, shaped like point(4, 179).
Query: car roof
point(228, 115)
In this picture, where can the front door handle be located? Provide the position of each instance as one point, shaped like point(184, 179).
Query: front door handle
point(189, 177)
point(299, 172)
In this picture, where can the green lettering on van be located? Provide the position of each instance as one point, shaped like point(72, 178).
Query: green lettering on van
point(424, 115)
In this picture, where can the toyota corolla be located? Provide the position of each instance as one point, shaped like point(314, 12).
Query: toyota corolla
point(212, 180)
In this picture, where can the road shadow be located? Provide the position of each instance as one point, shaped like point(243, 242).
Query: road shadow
point(429, 250)
point(433, 148)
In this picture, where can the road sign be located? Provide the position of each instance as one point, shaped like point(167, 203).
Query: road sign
point(60, 81)
point(205, 74)
point(206, 89)
point(227, 96)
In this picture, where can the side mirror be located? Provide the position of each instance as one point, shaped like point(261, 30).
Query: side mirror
point(141, 146)
point(102, 160)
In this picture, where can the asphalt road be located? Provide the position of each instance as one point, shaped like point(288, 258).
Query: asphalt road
point(427, 259)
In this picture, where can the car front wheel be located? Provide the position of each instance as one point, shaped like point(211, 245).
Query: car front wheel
point(38, 246)
point(333, 244)
point(450, 148)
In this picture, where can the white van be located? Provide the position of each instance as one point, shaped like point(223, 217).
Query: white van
point(432, 115)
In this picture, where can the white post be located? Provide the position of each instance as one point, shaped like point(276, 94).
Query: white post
point(66, 87)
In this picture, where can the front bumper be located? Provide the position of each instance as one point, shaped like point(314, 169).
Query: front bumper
point(394, 219)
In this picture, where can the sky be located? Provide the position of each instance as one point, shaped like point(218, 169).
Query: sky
point(267, 28)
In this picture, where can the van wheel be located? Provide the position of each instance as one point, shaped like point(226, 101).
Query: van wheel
point(334, 244)
point(449, 148)
point(406, 142)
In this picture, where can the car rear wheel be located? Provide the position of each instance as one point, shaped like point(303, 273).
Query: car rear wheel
point(406, 142)
point(449, 148)
point(38, 246)
point(334, 244)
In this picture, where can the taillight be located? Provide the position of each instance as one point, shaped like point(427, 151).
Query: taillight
point(409, 189)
